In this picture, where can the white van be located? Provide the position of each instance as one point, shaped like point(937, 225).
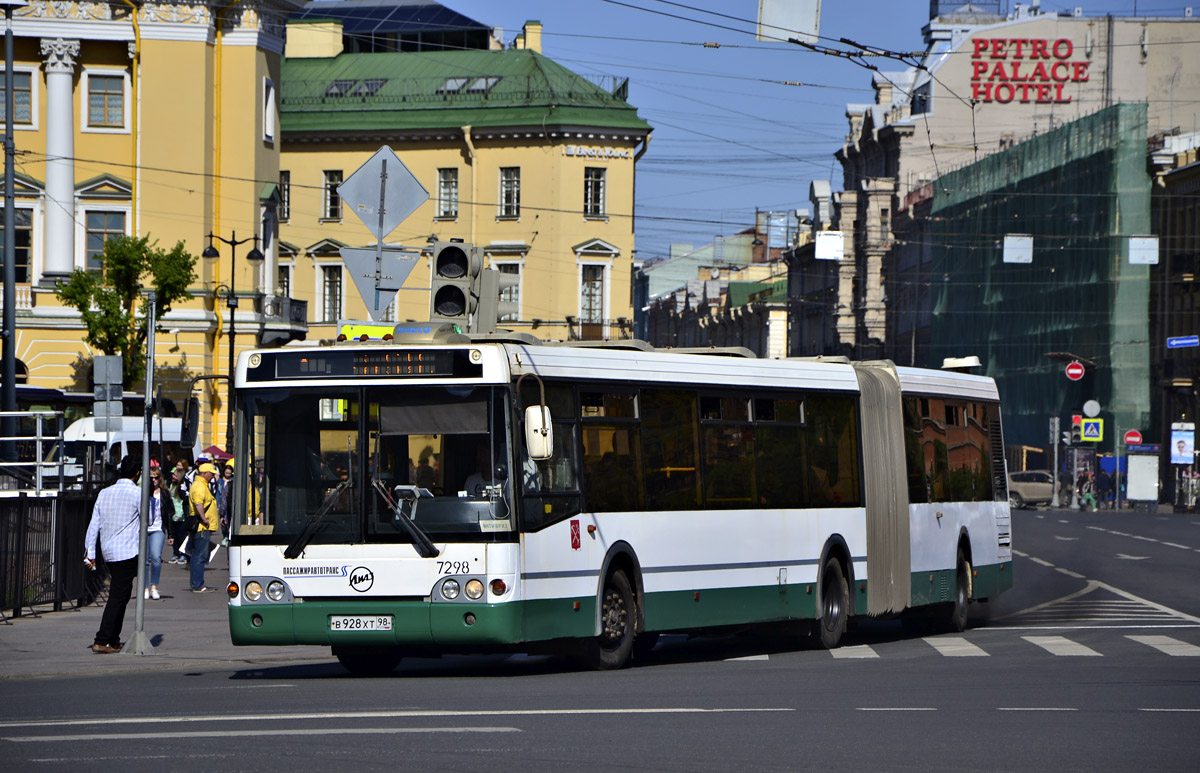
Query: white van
point(83, 445)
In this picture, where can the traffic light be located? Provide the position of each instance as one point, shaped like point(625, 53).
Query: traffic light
point(492, 284)
point(454, 291)
point(1076, 429)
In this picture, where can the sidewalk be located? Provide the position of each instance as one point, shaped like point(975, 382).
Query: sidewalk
point(187, 630)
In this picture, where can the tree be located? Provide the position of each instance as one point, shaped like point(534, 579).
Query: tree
point(111, 301)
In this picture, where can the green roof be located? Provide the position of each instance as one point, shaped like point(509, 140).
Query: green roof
point(446, 89)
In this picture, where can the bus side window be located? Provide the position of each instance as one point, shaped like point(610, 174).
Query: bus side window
point(551, 486)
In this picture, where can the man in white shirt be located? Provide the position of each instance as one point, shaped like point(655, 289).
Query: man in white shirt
point(116, 524)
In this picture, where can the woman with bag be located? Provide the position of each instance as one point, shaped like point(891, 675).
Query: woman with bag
point(162, 509)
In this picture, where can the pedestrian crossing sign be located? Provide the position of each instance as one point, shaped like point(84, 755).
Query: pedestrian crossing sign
point(1093, 430)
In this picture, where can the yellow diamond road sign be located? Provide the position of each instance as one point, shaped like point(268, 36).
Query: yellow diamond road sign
point(1092, 430)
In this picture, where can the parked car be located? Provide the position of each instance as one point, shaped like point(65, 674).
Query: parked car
point(1032, 487)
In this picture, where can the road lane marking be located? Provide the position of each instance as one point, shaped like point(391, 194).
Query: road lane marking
point(258, 733)
point(1169, 645)
point(895, 708)
point(1173, 711)
point(1177, 545)
point(1125, 557)
point(857, 651)
point(748, 657)
point(1067, 539)
point(1040, 561)
point(1061, 646)
point(1073, 609)
point(956, 647)
point(1069, 573)
point(398, 714)
point(1034, 708)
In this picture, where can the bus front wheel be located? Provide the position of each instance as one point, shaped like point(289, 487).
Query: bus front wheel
point(611, 649)
point(835, 605)
point(368, 661)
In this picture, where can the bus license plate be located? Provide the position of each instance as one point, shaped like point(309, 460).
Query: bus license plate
point(360, 622)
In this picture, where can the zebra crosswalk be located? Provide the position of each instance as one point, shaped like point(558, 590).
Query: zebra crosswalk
point(1055, 645)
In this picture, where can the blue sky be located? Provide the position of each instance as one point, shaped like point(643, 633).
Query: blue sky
point(729, 135)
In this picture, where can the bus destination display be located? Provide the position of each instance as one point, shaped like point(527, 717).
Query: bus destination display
point(364, 363)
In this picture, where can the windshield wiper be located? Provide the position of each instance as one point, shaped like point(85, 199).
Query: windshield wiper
point(296, 547)
point(411, 494)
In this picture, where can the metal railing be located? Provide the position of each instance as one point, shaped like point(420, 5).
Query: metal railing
point(42, 551)
point(38, 452)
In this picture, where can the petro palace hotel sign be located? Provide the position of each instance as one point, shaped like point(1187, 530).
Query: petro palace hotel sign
point(1024, 70)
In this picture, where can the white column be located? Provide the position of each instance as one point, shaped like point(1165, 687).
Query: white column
point(59, 224)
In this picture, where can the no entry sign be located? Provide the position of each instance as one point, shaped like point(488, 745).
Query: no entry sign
point(1075, 371)
point(1133, 438)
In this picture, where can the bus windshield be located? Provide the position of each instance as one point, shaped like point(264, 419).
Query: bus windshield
point(344, 464)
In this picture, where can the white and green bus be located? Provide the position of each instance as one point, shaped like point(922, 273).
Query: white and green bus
point(438, 493)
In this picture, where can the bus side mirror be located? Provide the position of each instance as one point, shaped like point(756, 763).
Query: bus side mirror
point(191, 423)
point(539, 433)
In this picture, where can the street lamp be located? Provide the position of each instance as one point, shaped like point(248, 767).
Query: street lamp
point(231, 302)
point(8, 387)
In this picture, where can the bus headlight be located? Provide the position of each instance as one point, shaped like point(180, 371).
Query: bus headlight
point(474, 589)
point(254, 590)
point(450, 589)
point(275, 590)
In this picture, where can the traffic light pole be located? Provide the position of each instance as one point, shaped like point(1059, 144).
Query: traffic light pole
point(1054, 501)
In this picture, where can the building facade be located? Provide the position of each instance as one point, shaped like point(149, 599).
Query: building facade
point(181, 120)
point(987, 82)
point(523, 158)
point(146, 119)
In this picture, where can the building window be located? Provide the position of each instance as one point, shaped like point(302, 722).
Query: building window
point(510, 191)
point(447, 193)
point(510, 294)
point(331, 208)
point(331, 293)
point(591, 295)
point(285, 281)
point(101, 226)
point(285, 196)
point(593, 192)
point(106, 101)
point(269, 111)
point(22, 99)
point(23, 243)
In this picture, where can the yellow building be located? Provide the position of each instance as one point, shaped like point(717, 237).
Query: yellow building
point(147, 119)
point(520, 156)
point(170, 120)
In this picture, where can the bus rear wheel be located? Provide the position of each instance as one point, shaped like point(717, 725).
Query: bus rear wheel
point(368, 661)
point(835, 605)
point(611, 649)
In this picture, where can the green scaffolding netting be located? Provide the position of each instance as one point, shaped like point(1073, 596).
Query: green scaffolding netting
point(1080, 191)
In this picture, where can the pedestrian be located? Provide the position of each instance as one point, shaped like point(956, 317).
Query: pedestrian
point(161, 511)
point(116, 524)
point(224, 495)
point(204, 505)
point(1087, 492)
point(1104, 489)
point(178, 526)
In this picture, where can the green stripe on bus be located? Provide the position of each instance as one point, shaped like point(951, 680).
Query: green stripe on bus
point(938, 586)
point(674, 610)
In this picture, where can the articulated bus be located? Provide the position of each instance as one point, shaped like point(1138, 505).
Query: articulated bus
point(442, 493)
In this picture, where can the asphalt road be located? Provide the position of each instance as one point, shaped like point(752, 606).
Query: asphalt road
point(1092, 662)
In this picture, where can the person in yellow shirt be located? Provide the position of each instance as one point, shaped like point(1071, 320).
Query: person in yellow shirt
point(204, 505)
